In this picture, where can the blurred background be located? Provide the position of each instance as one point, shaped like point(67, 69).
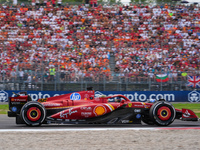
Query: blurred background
point(141, 45)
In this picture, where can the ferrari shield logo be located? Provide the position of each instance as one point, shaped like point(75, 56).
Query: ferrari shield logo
point(129, 104)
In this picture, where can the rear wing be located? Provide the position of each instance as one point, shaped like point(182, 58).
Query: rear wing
point(16, 103)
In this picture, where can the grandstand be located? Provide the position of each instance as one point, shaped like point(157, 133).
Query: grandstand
point(111, 47)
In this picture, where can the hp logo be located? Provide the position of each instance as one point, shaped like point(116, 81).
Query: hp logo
point(75, 96)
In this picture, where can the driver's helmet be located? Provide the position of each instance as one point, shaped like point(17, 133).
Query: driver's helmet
point(152, 100)
point(117, 99)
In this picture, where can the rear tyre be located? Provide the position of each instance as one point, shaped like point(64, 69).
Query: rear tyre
point(162, 113)
point(33, 113)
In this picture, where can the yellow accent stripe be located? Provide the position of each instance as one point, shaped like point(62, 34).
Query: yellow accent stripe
point(111, 106)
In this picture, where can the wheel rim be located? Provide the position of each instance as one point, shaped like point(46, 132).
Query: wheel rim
point(164, 113)
point(33, 114)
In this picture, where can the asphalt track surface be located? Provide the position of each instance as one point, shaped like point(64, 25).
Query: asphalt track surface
point(9, 123)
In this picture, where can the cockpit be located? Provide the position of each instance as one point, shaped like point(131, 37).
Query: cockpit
point(117, 99)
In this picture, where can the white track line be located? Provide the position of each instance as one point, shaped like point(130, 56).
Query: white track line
point(78, 129)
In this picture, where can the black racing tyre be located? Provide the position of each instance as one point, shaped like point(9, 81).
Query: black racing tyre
point(33, 113)
point(162, 113)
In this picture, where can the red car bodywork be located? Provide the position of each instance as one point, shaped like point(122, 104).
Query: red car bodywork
point(83, 106)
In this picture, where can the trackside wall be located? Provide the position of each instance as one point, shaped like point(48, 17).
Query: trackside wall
point(141, 96)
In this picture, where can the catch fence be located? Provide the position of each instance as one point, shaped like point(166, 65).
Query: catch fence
point(71, 81)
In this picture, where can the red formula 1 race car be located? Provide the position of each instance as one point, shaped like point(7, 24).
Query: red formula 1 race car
point(84, 108)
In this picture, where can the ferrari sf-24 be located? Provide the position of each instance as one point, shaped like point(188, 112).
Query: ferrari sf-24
point(84, 108)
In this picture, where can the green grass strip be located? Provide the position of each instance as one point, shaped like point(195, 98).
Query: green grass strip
point(3, 109)
point(195, 107)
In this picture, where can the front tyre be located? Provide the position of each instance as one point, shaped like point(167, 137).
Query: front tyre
point(33, 113)
point(162, 113)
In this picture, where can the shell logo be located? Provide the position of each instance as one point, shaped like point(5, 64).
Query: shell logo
point(99, 110)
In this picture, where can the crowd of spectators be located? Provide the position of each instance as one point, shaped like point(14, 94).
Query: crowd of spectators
point(73, 42)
